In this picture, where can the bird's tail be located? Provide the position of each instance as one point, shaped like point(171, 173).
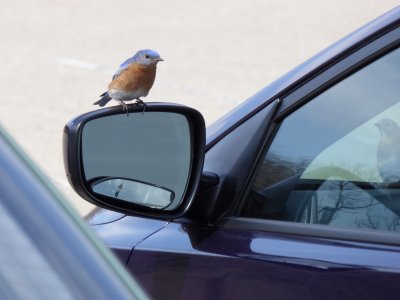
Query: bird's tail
point(105, 97)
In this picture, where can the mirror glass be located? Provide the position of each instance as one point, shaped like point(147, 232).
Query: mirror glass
point(141, 158)
point(134, 191)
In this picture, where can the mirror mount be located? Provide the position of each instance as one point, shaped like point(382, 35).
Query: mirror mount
point(158, 154)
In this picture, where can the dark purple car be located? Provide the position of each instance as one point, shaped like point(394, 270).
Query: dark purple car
point(295, 194)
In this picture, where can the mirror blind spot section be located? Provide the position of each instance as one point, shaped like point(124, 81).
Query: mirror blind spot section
point(142, 159)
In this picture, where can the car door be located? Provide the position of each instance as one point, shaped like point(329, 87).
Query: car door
point(315, 198)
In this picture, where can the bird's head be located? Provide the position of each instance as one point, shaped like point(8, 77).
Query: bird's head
point(147, 57)
point(388, 127)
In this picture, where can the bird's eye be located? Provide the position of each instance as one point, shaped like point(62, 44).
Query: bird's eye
point(147, 56)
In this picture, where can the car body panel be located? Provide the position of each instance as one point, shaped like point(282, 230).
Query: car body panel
point(191, 261)
point(126, 233)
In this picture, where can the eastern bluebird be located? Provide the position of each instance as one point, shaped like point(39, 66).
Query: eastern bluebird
point(133, 79)
point(388, 154)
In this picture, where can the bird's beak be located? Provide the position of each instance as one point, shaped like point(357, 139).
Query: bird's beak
point(159, 59)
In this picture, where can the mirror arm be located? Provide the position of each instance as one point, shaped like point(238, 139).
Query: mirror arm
point(207, 180)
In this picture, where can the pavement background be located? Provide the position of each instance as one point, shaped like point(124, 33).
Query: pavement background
point(57, 56)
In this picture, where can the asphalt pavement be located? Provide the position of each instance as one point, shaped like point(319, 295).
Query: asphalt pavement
point(57, 56)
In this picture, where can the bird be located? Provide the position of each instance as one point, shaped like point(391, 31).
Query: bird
point(388, 152)
point(133, 79)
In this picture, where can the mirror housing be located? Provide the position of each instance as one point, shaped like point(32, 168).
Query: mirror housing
point(145, 163)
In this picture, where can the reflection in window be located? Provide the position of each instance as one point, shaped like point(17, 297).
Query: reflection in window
point(336, 160)
point(345, 204)
point(25, 272)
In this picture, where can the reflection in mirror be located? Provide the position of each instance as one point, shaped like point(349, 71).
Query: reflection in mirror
point(134, 191)
point(146, 156)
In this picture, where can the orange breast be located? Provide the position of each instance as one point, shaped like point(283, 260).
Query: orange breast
point(135, 77)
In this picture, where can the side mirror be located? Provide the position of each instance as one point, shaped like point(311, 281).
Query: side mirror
point(145, 164)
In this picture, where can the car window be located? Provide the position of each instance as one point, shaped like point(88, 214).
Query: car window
point(336, 160)
point(25, 271)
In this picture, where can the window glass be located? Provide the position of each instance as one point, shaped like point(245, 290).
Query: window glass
point(336, 160)
point(25, 273)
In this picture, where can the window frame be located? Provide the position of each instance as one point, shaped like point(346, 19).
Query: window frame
point(295, 99)
point(338, 72)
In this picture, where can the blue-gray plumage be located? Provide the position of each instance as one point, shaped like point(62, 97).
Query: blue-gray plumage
point(388, 153)
point(133, 79)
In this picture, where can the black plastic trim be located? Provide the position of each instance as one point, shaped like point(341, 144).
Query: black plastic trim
point(230, 160)
point(313, 230)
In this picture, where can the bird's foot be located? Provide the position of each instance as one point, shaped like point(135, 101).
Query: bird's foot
point(140, 101)
point(124, 107)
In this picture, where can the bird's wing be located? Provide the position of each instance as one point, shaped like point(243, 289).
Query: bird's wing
point(124, 66)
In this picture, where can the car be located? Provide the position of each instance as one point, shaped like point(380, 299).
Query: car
point(294, 194)
point(47, 251)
